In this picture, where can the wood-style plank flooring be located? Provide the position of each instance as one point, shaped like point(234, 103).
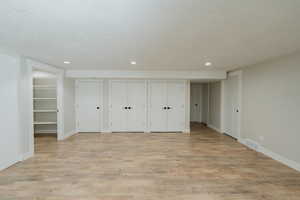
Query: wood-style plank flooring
point(203, 165)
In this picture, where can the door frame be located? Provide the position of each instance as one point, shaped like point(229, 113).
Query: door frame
point(239, 74)
point(101, 121)
point(59, 73)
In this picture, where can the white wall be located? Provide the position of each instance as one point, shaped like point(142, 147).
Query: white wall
point(69, 107)
point(214, 120)
point(10, 137)
point(271, 106)
point(205, 103)
point(196, 102)
point(25, 109)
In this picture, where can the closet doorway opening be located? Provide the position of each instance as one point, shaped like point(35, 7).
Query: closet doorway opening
point(46, 113)
point(199, 101)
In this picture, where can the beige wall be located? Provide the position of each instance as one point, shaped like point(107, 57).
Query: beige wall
point(214, 119)
point(271, 106)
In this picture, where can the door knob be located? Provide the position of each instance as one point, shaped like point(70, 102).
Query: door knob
point(98, 107)
point(126, 108)
point(129, 107)
point(165, 108)
point(169, 108)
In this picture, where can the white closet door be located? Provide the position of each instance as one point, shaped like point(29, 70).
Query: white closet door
point(158, 100)
point(136, 101)
point(118, 103)
point(88, 101)
point(176, 105)
point(231, 101)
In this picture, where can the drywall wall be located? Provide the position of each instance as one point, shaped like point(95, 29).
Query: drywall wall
point(271, 106)
point(196, 102)
point(215, 105)
point(69, 107)
point(10, 138)
point(205, 103)
point(25, 109)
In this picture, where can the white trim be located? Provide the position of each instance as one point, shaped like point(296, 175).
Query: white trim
point(106, 131)
point(259, 148)
point(35, 65)
point(9, 163)
point(43, 67)
point(187, 110)
point(27, 155)
point(69, 134)
point(280, 158)
point(214, 128)
point(114, 74)
point(60, 105)
point(222, 106)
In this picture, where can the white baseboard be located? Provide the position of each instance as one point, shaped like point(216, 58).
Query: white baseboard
point(27, 155)
point(106, 131)
point(214, 128)
point(259, 148)
point(68, 134)
point(187, 131)
point(8, 164)
point(280, 158)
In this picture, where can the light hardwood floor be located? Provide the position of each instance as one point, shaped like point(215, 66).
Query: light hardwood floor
point(202, 166)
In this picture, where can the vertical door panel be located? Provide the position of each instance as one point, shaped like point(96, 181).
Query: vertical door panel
point(234, 86)
point(176, 104)
point(231, 106)
point(118, 104)
point(136, 100)
point(88, 98)
point(158, 116)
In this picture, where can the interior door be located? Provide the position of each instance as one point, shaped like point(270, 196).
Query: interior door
point(157, 106)
point(231, 106)
point(136, 100)
point(118, 112)
point(88, 106)
point(176, 106)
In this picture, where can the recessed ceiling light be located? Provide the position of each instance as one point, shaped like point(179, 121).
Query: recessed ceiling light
point(67, 62)
point(133, 62)
point(208, 64)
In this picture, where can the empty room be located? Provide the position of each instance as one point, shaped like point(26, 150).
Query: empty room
point(150, 99)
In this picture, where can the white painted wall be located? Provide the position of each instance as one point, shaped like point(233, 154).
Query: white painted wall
point(214, 120)
point(10, 137)
point(271, 106)
point(205, 103)
point(69, 107)
point(25, 109)
point(196, 102)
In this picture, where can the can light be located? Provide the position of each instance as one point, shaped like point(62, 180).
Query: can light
point(208, 64)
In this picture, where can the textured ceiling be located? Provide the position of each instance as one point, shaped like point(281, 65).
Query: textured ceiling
point(157, 34)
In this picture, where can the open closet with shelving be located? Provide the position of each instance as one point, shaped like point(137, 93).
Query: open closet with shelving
point(45, 104)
